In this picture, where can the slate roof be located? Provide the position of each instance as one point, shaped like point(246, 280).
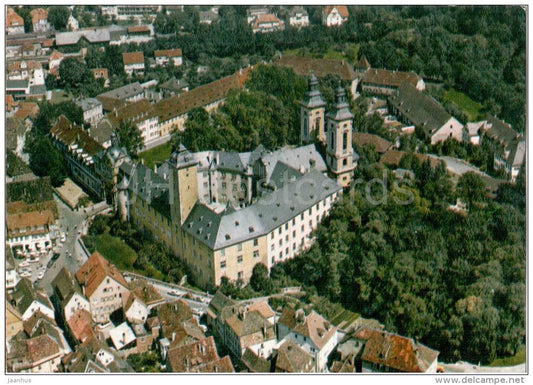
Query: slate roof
point(133, 58)
point(381, 145)
point(500, 132)
point(340, 110)
point(269, 212)
point(397, 352)
point(383, 77)
point(218, 302)
point(68, 133)
point(102, 132)
point(16, 84)
point(293, 359)
point(174, 85)
point(420, 108)
point(313, 96)
point(95, 270)
point(303, 66)
point(124, 92)
point(99, 35)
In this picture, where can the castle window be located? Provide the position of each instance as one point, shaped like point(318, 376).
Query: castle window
point(239, 259)
point(256, 253)
point(222, 264)
point(256, 242)
point(345, 140)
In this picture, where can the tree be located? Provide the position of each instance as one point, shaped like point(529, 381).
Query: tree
point(58, 16)
point(75, 75)
point(259, 280)
point(129, 137)
point(471, 188)
point(45, 160)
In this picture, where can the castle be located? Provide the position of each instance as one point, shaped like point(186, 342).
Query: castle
point(224, 212)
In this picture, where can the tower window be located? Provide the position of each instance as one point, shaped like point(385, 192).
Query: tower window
point(344, 140)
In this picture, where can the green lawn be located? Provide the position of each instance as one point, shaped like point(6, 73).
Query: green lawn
point(345, 315)
point(60, 96)
point(157, 154)
point(517, 359)
point(471, 108)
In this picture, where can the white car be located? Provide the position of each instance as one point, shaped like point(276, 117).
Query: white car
point(24, 264)
point(40, 275)
point(63, 238)
point(25, 274)
point(33, 260)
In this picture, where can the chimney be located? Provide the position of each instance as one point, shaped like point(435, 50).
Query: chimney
point(124, 338)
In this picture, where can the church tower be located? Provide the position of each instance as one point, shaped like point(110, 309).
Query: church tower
point(339, 150)
point(312, 110)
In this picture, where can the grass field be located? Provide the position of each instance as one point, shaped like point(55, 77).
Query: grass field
point(347, 52)
point(471, 108)
point(157, 154)
point(517, 359)
point(60, 96)
point(116, 251)
point(345, 315)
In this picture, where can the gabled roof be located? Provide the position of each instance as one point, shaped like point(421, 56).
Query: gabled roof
point(26, 110)
point(42, 348)
point(38, 14)
point(293, 359)
point(69, 133)
point(397, 352)
point(65, 286)
point(383, 77)
point(420, 108)
point(263, 308)
point(248, 323)
point(139, 28)
point(133, 58)
point(33, 322)
point(29, 65)
point(95, 270)
point(13, 19)
point(148, 294)
point(303, 66)
point(186, 358)
point(218, 302)
point(222, 365)
point(81, 325)
point(500, 132)
point(135, 112)
point(254, 363)
point(124, 92)
point(175, 52)
point(175, 312)
point(55, 55)
point(266, 18)
point(316, 328)
point(31, 219)
point(362, 63)
point(342, 9)
point(381, 145)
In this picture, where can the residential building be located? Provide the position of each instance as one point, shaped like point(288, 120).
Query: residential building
point(67, 295)
point(304, 66)
point(122, 336)
point(265, 23)
point(129, 93)
point(167, 56)
point(92, 110)
point(102, 132)
point(142, 115)
point(298, 17)
point(380, 351)
point(41, 354)
point(383, 82)
point(200, 357)
point(22, 70)
point(54, 61)
point(14, 322)
point(39, 19)
point(28, 300)
point(339, 150)
point(134, 308)
point(474, 131)
point(103, 285)
point(133, 63)
point(30, 230)
point(14, 23)
point(291, 358)
point(126, 12)
point(12, 276)
point(312, 333)
point(72, 23)
point(101, 73)
point(334, 15)
point(421, 110)
point(80, 326)
point(254, 11)
point(94, 356)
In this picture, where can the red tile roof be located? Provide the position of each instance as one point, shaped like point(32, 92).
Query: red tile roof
point(80, 324)
point(132, 58)
point(316, 328)
point(95, 270)
point(188, 357)
point(38, 14)
point(381, 145)
point(138, 28)
point(343, 10)
point(33, 219)
point(176, 52)
point(27, 109)
point(69, 133)
point(55, 55)
point(135, 112)
point(222, 365)
point(303, 66)
point(263, 308)
point(10, 102)
point(30, 65)
point(42, 349)
point(13, 19)
point(394, 351)
point(389, 78)
point(393, 158)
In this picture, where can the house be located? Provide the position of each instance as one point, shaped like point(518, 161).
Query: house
point(129, 93)
point(134, 308)
point(67, 295)
point(133, 63)
point(312, 333)
point(167, 56)
point(92, 110)
point(39, 324)
point(80, 326)
point(208, 17)
point(291, 358)
point(14, 322)
point(508, 145)
point(122, 336)
point(381, 351)
point(214, 310)
point(12, 276)
point(146, 293)
point(103, 285)
point(141, 114)
point(39, 19)
point(304, 66)
point(364, 139)
point(474, 131)
point(334, 15)
point(72, 23)
point(298, 17)
point(200, 356)
point(421, 110)
point(26, 112)
point(28, 300)
point(102, 132)
point(256, 364)
point(254, 11)
point(30, 230)
point(265, 23)
point(19, 89)
point(383, 82)
point(173, 87)
point(54, 61)
point(101, 73)
point(23, 69)
point(14, 23)
point(139, 30)
point(41, 354)
point(94, 356)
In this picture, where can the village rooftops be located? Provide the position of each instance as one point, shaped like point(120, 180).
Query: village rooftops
point(124, 92)
point(95, 270)
point(81, 325)
point(186, 358)
point(222, 365)
point(65, 286)
point(24, 294)
point(396, 352)
point(70, 134)
point(134, 112)
point(34, 222)
point(303, 66)
point(176, 52)
point(293, 359)
point(133, 58)
point(38, 14)
point(316, 328)
point(13, 19)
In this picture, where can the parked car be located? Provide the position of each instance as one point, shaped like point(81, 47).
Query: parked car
point(24, 264)
point(40, 275)
point(33, 260)
point(25, 274)
point(55, 256)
